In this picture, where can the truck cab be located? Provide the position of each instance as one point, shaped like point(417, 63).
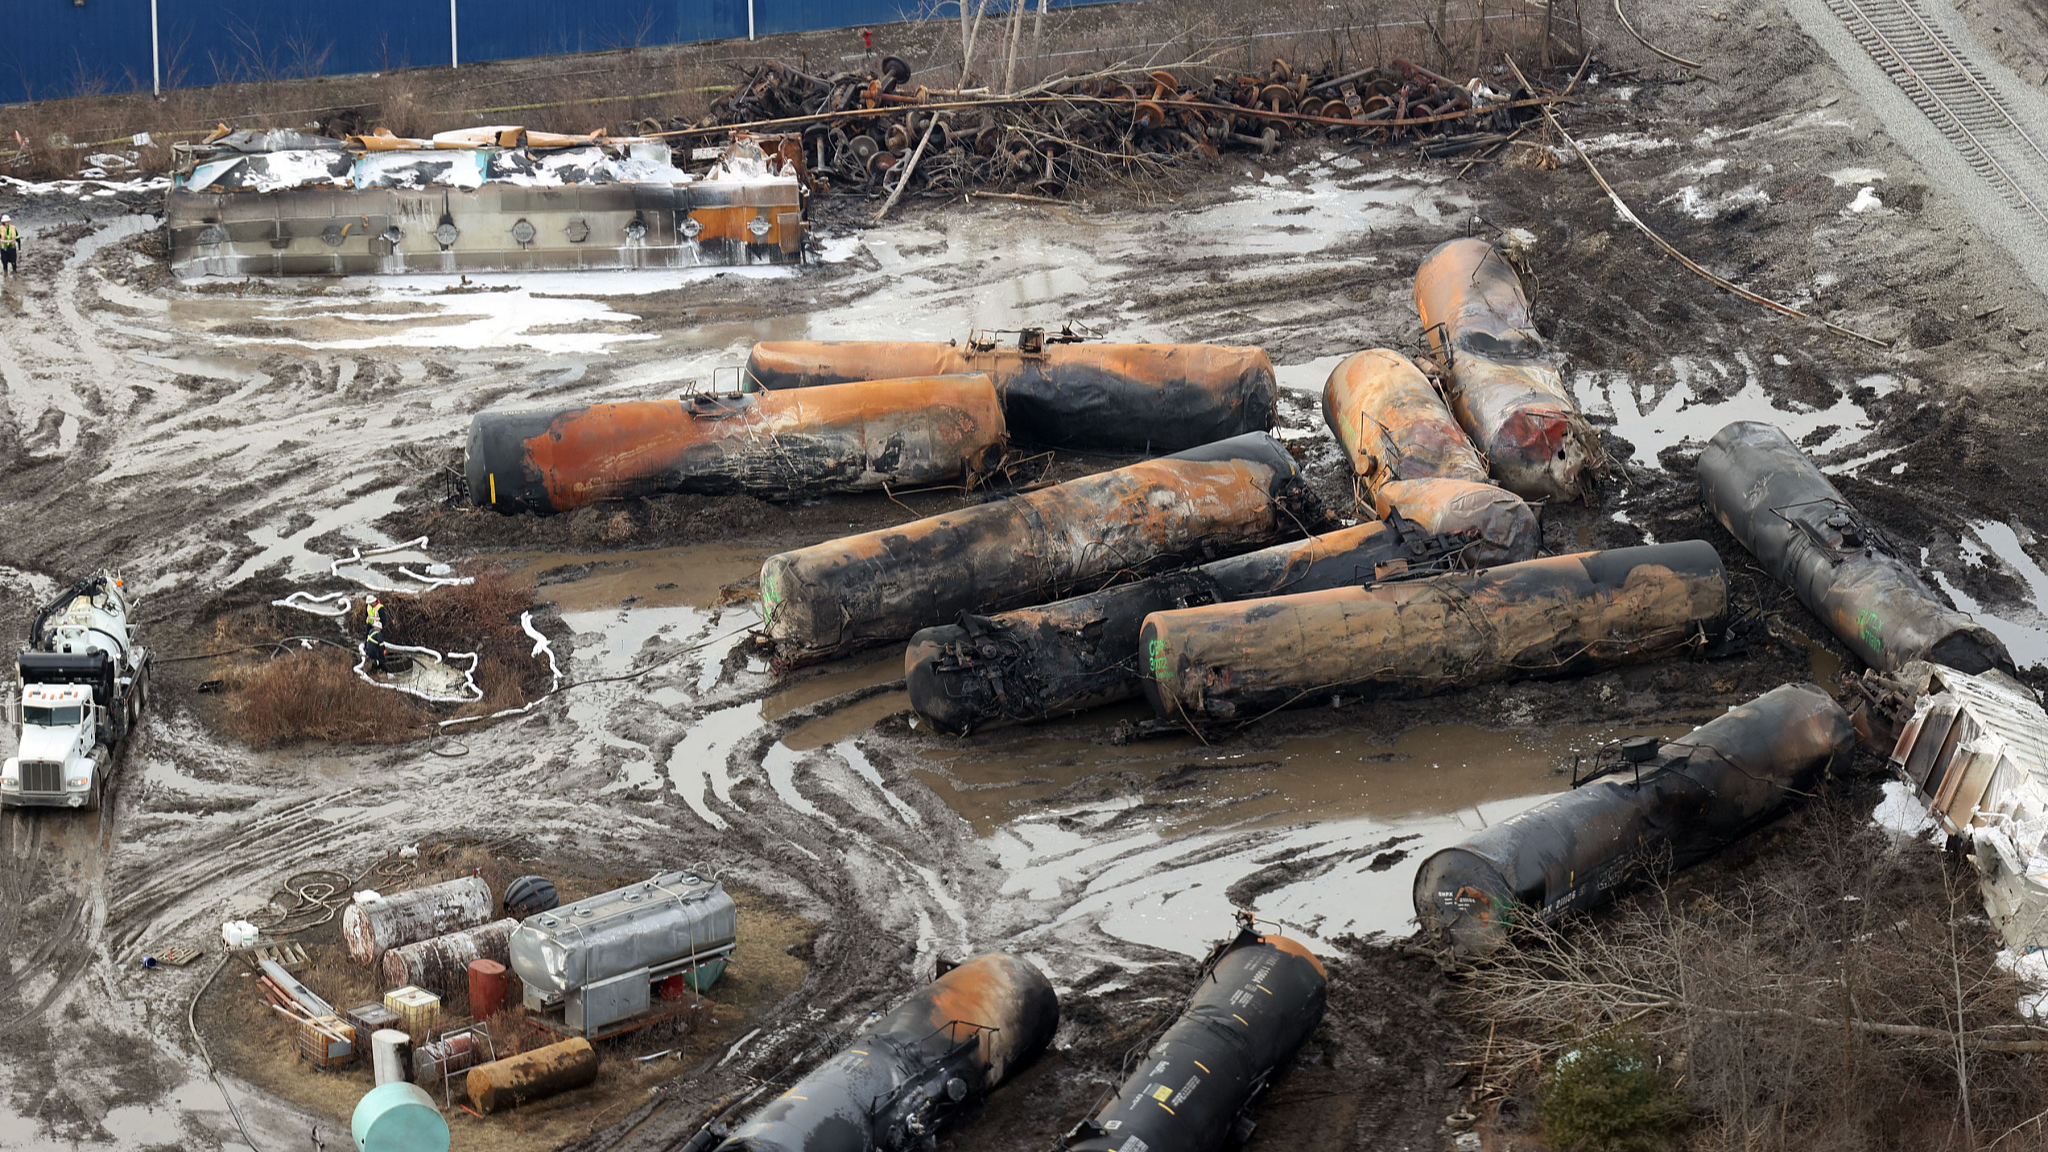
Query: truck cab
point(83, 683)
point(58, 761)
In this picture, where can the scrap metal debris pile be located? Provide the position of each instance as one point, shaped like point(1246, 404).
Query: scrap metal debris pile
point(874, 132)
point(479, 199)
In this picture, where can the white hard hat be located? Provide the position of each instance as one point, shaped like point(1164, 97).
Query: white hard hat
point(5, 219)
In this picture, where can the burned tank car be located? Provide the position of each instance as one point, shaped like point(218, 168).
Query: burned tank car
point(594, 962)
point(1054, 659)
point(1768, 495)
point(1258, 999)
point(1664, 806)
point(932, 1058)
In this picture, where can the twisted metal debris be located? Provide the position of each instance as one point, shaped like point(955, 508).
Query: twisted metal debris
point(861, 131)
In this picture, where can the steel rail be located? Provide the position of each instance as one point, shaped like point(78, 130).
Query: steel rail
point(1951, 93)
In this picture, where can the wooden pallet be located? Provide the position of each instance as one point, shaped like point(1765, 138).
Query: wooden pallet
point(177, 955)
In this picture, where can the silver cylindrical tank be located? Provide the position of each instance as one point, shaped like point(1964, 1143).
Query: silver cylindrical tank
point(391, 1055)
point(441, 965)
point(370, 927)
point(644, 925)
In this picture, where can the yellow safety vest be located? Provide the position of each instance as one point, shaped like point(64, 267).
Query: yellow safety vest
point(9, 236)
point(375, 615)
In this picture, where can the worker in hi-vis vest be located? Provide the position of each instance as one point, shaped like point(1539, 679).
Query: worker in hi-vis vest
point(10, 245)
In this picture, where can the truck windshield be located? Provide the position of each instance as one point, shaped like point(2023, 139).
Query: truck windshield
point(64, 717)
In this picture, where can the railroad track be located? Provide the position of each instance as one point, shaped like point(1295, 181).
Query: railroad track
point(1957, 98)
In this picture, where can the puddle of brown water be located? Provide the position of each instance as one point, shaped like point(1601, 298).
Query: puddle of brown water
point(1426, 770)
point(805, 693)
point(847, 722)
point(693, 575)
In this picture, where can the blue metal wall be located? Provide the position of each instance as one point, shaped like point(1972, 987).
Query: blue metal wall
point(56, 48)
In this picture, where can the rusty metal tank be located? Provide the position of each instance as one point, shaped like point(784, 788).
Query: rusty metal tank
point(371, 927)
point(1258, 998)
point(1557, 616)
point(1054, 659)
point(441, 964)
point(1131, 397)
point(1503, 388)
point(846, 438)
point(1500, 526)
point(1684, 801)
point(1768, 495)
point(932, 1058)
point(535, 1075)
point(1393, 425)
point(882, 586)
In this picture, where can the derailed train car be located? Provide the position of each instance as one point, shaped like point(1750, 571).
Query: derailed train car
point(1063, 394)
point(1557, 616)
point(1392, 425)
point(882, 586)
point(932, 1058)
point(1259, 998)
point(1037, 663)
point(1414, 460)
point(1663, 808)
point(1503, 389)
point(1768, 495)
point(847, 437)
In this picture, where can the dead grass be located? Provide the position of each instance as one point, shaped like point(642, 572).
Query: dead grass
point(278, 698)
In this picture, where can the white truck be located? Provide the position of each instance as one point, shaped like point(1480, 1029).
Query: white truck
point(84, 681)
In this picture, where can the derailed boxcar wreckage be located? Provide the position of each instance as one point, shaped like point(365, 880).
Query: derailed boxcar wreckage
point(286, 203)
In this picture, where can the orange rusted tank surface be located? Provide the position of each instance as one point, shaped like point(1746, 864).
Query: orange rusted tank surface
point(1393, 425)
point(880, 587)
point(1502, 526)
point(847, 437)
point(1503, 389)
point(533, 1075)
point(1557, 616)
point(919, 1068)
point(1139, 397)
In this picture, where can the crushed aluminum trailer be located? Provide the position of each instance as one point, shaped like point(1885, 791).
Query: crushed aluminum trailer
point(847, 437)
point(1683, 801)
point(1503, 388)
point(1975, 753)
point(1061, 393)
point(1257, 999)
point(1037, 663)
point(589, 968)
point(1502, 527)
point(933, 1058)
point(1558, 616)
point(1769, 496)
point(1393, 425)
point(882, 586)
point(292, 205)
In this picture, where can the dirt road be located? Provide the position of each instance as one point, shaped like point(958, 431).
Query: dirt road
point(221, 442)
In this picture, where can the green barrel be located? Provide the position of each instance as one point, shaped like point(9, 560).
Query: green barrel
point(399, 1117)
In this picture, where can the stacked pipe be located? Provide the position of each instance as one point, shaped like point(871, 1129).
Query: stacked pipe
point(1057, 391)
point(372, 927)
point(1037, 663)
point(1768, 495)
point(441, 964)
point(858, 130)
point(1415, 461)
point(1259, 997)
point(883, 586)
point(930, 1059)
point(849, 437)
point(1503, 389)
point(1557, 616)
point(1689, 799)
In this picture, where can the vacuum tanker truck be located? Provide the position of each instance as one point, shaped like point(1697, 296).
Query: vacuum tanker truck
point(83, 682)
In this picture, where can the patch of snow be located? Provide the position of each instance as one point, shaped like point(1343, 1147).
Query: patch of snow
point(1865, 201)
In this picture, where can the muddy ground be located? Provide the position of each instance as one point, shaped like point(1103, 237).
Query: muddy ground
point(221, 442)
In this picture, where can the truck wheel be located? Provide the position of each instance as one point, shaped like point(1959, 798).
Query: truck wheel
point(100, 756)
